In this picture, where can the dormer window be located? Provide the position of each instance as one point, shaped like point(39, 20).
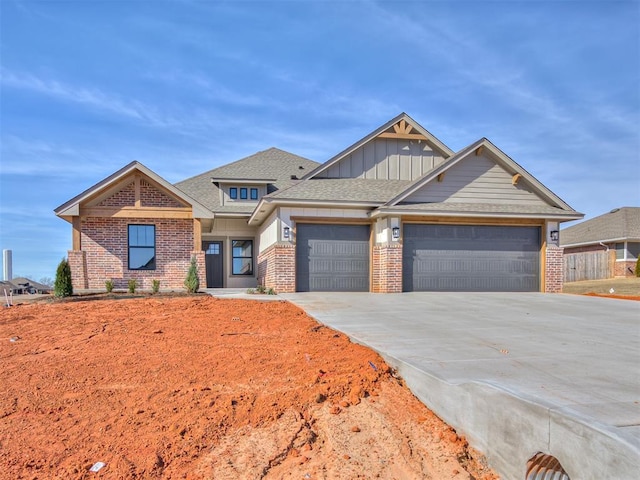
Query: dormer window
point(233, 193)
point(254, 194)
point(243, 193)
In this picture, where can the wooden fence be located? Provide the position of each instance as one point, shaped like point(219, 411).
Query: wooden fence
point(588, 266)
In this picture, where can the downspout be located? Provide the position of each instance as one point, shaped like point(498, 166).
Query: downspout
point(605, 246)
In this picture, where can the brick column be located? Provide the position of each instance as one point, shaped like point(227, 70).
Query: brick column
point(78, 263)
point(277, 267)
point(554, 269)
point(200, 262)
point(387, 268)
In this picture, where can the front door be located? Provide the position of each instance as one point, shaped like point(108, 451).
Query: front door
point(213, 263)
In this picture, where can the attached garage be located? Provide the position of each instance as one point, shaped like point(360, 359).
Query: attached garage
point(332, 258)
point(471, 258)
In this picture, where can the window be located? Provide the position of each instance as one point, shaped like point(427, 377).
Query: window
point(254, 194)
point(142, 247)
point(233, 193)
point(619, 251)
point(243, 193)
point(213, 249)
point(242, 257)
point(633, 250)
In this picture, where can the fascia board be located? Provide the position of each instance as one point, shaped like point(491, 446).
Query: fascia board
point(444, 213)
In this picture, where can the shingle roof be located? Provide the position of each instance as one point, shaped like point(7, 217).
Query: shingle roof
point(343, 189)
point(618, 224)
point(479, 208)
point(268, 164)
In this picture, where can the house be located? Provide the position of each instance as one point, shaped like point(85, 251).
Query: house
point(396, 211)
point(22, 286)
point(616, 231)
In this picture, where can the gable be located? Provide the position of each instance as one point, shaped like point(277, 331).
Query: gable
point(477, 179)
point(124, 194)
point(399, 150)
point(387, 159)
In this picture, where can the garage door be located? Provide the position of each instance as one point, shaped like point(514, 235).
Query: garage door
point(471, 258)
point(332, 258)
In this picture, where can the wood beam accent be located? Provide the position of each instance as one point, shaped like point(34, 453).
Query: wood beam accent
point(133, 212)
point(197, 234)
point(138, 195)
point(479, 150)
point(441, 176)
point(76, 234)
point(403, 136)
point(516, 178)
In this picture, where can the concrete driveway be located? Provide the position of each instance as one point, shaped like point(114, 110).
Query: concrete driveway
point(516, 374)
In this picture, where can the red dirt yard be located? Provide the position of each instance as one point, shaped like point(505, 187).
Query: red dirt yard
point(194, 387)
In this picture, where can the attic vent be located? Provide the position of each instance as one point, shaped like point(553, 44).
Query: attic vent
point(294, 177)
point(615, 210)
point(300, 167)
point(545, 467)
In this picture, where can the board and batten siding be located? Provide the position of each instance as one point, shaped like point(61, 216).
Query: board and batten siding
point(268, 232)
point(387, 159)
point(477, 180)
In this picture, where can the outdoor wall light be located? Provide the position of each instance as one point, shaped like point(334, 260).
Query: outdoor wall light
point(395, 233)
point(554, 235)
point(286, 233)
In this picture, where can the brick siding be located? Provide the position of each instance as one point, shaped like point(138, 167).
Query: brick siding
point(104, 254)
point(387, 268)
point(277, 268)
point(554, 271)
point(624, 268)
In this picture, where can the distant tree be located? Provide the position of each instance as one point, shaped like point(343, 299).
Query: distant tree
point(62, 286)
point(638, 267)
point(192, 283)
point(48, 281)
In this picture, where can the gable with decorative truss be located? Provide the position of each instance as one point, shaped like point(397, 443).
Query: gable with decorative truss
point(399, 150)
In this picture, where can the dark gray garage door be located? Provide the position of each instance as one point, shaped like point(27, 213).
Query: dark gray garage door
point(471, 258)
point(332, 258)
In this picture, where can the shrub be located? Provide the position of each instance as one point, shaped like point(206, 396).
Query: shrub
point(62, 286)
point(261, 289)
point(638, 267)
point(271, 291)
point(251, 291)
point(192, 283)
point(133, 283)
point(155, 286)
point(109, 286)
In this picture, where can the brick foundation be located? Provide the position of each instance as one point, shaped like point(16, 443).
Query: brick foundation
point(277, 268)
point(387, 268)
point(554, 271)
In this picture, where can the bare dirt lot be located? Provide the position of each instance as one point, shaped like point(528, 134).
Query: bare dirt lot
point(626, 288)
point(195, 387)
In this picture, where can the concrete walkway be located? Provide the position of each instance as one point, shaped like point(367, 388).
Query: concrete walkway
point(516, 374)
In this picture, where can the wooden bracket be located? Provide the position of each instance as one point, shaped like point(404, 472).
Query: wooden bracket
point(441, 176)
point(515, 179)
point(479, 150)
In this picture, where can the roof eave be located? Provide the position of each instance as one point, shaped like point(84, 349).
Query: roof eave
point(564, 217)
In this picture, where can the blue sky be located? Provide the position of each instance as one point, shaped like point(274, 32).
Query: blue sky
point(185, 86)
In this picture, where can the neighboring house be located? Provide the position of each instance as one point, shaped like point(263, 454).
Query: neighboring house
point(396, 211)
point(22, 285)
point(617, 231)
